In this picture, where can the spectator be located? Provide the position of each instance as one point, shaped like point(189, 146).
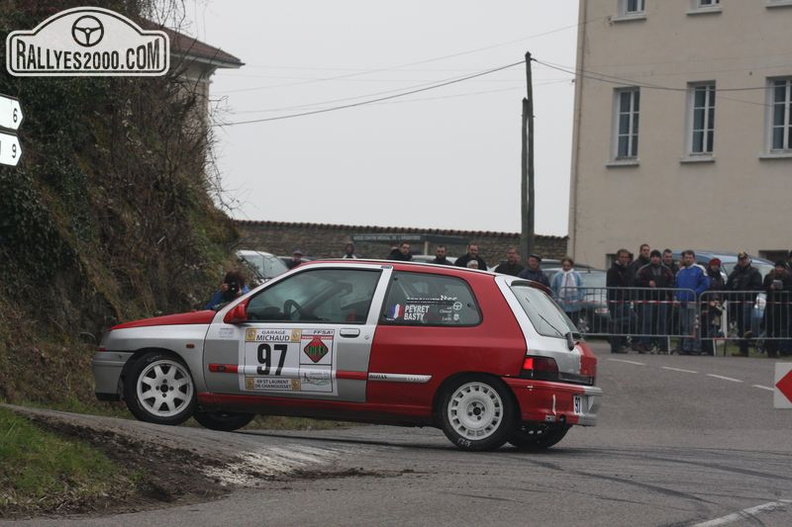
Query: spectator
point(566, 287)
point(401, 253)
point(349, 251)
point(618, 301)
point(296, 259)
point(511, 265)
point(232, 286)
point(644, 253)
point(668, 261)
point(472, 254)
point(712, 307)
point(533, 271)
point(691, 280)
point(473, 264)
point(637, 296)
point(742, 283)
point(656, 280)
point(440, 256)
point(673, 316)
point(778, 285)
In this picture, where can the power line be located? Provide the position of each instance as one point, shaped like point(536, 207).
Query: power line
point(372, 101)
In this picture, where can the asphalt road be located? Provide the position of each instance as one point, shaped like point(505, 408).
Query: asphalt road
point(681, 441)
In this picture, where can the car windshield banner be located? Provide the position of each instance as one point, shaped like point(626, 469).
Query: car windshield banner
point(87, 41)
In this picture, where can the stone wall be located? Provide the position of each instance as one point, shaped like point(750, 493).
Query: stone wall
point(323, 240)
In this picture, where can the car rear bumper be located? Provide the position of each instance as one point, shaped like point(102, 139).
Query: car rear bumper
point(107, 367)
point(555, 402)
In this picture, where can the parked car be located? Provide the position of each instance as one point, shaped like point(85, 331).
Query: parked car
point(486, 358)
point(262, 265)
point(594, 314)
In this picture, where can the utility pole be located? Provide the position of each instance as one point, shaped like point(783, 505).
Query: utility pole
point(527, 201)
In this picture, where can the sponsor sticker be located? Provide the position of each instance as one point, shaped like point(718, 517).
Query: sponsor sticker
point(87, 41)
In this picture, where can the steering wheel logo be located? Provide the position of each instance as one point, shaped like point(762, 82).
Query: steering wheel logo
point(87, 31)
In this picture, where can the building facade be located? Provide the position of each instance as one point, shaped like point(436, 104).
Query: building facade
point(683, 128)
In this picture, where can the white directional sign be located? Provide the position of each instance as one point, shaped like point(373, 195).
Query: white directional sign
point(10, 149)
point(10, 112)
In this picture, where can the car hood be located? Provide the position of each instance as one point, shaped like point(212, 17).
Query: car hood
point(194, 317)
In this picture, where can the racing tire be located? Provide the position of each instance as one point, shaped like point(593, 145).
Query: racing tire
point(477, 413)
point(159, 389)
point(223, 421)
point(538, 437)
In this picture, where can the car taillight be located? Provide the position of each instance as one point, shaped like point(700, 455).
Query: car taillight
point(543, 368)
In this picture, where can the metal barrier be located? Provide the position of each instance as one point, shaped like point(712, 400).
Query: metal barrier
point(647, 319)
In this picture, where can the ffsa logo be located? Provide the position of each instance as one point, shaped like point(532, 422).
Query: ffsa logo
point(87, 41)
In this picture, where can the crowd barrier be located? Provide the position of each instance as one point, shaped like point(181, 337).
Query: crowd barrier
point(660, 318)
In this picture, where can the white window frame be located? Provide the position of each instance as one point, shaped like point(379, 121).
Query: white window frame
point(706, 119)
point(630, 129)
point(632, 7)
point(779, 124)
point(698, 7)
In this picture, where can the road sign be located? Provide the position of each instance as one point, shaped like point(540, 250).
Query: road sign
point(782, 395)
point(10, 112)
point(10, 149)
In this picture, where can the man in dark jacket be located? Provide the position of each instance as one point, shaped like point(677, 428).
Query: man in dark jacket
point(655, 281)
point(512, 264)
point(712, 307)
point(472, 254)
point(401, 253)
point(533, 271)
point(440, 256)
point(742, 283)
point(617, 281)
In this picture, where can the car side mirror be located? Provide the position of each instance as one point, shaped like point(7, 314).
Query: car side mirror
point(236, 315)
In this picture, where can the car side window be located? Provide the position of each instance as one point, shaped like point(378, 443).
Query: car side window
point(321, 295)
point(418, 299)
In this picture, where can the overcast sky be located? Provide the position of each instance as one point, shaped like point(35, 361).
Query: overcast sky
point(446, 158)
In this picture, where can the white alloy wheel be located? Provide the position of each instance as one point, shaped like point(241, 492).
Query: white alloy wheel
point(478, 414)
point(159, 389)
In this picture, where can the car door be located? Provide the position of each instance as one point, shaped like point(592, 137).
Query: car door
point(308, 335)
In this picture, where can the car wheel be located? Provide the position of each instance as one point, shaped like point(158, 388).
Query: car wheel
point(223, 421)
point(159, 389)
point(538, 437)
point(477, 413)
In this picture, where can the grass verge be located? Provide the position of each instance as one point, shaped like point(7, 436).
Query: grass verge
point(40, 471)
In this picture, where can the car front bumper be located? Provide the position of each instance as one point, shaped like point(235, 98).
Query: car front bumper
point(107, 367)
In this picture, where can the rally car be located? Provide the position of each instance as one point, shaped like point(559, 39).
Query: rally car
point(487, 358)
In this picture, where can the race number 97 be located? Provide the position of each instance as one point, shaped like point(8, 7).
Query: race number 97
point(266, 358)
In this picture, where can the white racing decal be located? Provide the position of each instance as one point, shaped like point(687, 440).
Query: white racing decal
point(399, 377)
point(288, 360)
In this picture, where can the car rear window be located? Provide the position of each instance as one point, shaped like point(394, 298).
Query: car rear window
point(547, 318)
point(419, 299)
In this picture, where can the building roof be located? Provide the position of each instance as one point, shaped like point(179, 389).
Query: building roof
point(192, 48)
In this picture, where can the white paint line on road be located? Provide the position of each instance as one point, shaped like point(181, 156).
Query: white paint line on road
point(745, 514)
point(628, 362)
point(678, 369)
point(768, 388)
point(723, 378)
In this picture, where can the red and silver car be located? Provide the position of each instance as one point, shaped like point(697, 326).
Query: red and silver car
point(487, 358)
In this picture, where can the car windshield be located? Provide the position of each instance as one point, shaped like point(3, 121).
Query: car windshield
point(265, 265)
point(547, 318)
